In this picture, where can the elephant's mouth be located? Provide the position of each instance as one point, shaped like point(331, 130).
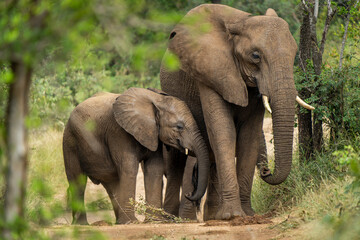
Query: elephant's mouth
point(184, 149)
point(251, 81)
point(181, 148)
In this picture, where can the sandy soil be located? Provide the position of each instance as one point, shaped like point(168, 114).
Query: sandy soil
point(251, 228)
point(171, 231)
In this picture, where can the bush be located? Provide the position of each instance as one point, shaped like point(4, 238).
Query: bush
point(303, 177)
point(54, 97)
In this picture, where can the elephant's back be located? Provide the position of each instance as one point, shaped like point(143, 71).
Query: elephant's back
point(85, 133)
point(96, 106)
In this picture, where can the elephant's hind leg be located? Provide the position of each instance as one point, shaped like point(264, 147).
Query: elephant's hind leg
point(77, 184)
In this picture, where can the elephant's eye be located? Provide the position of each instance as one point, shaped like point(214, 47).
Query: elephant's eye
point(255, 55)
point(180, 126)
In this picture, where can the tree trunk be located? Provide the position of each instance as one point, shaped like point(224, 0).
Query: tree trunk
point(304, 116)
point(318, 133)
point(317, 120)
point(16, 143)
point(311, 49)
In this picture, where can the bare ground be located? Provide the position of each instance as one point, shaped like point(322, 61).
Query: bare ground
point(258, 227)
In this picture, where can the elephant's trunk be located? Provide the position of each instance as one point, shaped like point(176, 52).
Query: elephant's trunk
point(283, 108)
point(203, 167)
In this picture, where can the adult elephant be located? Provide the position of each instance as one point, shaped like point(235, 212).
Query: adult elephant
point(232, 65)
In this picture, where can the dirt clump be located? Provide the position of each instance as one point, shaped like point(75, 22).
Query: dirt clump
point(239, 221)
point(249, 220)
point(101, 223)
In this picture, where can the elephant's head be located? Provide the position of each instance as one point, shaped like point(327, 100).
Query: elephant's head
point(151, 116)
point(229, 51)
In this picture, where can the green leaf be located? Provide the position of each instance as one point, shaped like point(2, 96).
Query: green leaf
point(171, 62)
point(7, 76)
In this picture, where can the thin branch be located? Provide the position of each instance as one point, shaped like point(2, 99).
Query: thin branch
point(306, 7)
point(316, 9)
point(345, 33)
point(344, 40)
point(330, 14)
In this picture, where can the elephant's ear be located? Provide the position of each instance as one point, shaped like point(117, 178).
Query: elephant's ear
point(158, 91)
point(135, 113)
point(203, 43)
point(271, 12)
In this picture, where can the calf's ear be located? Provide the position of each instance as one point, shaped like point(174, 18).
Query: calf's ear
point(134, 111)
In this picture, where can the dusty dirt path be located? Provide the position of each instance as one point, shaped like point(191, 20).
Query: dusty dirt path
point(171, 231)
point(235, 229)
point(257, 228)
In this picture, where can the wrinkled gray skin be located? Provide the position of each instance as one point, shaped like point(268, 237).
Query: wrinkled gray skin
point(229, 59)
point(109, 134)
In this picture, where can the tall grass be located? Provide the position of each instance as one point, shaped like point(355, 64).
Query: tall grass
point(322, 195)
point(303, 177)
point(47, 184)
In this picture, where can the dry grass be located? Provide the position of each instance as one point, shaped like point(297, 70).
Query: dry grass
point(46, 162)
point(319, 212)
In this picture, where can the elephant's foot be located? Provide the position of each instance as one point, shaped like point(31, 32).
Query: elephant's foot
point(248, 209)
point(229, 209)
point(191, 214)
point(210, 211)
point(187, 210)
point(126, 219)
point(80, 220)
point(174, 210)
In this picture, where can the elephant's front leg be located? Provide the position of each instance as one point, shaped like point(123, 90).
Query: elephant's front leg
point(247, 149)
point(222, 136)
point(153, 169)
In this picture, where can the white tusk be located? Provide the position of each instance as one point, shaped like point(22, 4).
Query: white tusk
point(266, 103)
point(304, 104)
point(186, 151)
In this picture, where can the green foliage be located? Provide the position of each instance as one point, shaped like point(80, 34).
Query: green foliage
point(344, 222)
point(324, 192)
point(54, 97)
point(350, 157)
point(42, 209)
point(336, 98)
point(46, 178)
point(341, 92)
point(304, 177)
point(29, 30)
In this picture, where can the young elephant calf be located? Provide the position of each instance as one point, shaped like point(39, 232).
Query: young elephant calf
point(108, 135)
